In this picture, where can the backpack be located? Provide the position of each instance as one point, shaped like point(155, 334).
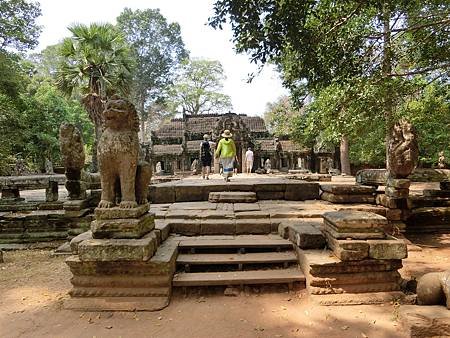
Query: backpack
point(206, 149)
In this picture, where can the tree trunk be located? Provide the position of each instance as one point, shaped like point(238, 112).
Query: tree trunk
point(345, 159)
point(142, 120)
point(386, 70)
point(94, 165)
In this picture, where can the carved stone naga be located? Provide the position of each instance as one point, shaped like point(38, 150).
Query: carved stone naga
point(403, 150)
point(124, 178)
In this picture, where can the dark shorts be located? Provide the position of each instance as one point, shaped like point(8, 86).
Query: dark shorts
point(206, 162)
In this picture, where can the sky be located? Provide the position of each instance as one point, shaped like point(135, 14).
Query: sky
point(201, 40)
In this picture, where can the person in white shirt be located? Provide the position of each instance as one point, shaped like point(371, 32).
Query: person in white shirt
point(249, 160)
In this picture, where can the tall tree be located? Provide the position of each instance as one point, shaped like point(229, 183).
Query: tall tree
point(96, 62)
point(327, 42)
point(158, 48)
point(18, 28)
point(279, 116)
point(198, 88)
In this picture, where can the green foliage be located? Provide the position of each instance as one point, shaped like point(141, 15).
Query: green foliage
point(198, 87)
point(96, 59)
point(158, 49)
point(18, 28)
point(279, 116)
point(429, 111)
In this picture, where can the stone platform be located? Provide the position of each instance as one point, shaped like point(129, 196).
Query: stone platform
point(190, 190)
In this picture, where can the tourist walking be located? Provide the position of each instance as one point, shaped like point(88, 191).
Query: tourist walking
point(205, 156)
point(249, 156)
point(226, 152)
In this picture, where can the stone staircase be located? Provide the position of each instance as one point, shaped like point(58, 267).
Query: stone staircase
point(237, 260)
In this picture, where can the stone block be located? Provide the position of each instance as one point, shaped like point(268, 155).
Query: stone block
point(348, 219)
point(387, 249)
point(117, 249)
point(306, 236)
point(354, 233)
point(334, 198)
point(78, 239)
point(75, 205)
point(160, 193)
point(116, 212)
point(436, 193)
point(232, 197)
point(123, 228)
point(164, 228)
point(278, 185)
point(252, 215)
point(348, 250)
point(253, 226)
point(398, 183)
point(392, 203)
point(185, 226)
point(373, 177)
point(188, 193)
point(270, 195)
point(301, 191)
point(218, 227)
point(348, 189)
point(394, 214)
point(241, 207)
point(396, 193)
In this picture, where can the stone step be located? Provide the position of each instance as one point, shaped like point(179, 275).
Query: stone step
point(232, 197)
point(247, 258)
point(291, 275)
point(244, 241)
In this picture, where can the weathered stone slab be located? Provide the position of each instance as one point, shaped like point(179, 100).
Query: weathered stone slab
point(429, 216)
point(123, 228)
point(117, 249)
point(163, 227)
point(183, 214)
point(160, 193)
point(396, 193)
point(379, 176)
point(240, 207)
point(373, 177)
point(252, 215)
point(116, 212)
point(188, 193)
point(348, 189)
point(391, 202)
point(354, 233)
point(398, 183)
point(270, 195)
point(78, 239)
point(334, 198)
point(185, 227)
point(218, 227)
point(232, 197)
point(301, 191)
point(323, 263)
point(75, 205)
point(348, 219)
point(436, 193)
point(253, 226)
point(306, 235)
point(387, 249)
point(348, 250)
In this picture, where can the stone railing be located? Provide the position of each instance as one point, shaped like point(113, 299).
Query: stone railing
point(12, 185)
point(379, 176)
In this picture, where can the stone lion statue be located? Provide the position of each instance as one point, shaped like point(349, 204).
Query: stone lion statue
point(71, 146)
point(433, 288)
point(123, 177)
point(403, 150)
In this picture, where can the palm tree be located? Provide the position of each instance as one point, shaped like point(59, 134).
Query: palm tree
point(96, 63)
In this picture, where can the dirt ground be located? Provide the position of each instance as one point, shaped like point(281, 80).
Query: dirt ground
point(34, 284)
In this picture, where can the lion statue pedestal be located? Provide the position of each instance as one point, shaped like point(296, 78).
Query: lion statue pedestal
point(114, 265)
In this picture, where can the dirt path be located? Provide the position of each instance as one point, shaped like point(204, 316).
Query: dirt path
point(33, 286)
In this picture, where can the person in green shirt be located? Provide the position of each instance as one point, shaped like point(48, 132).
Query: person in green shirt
point(226, 152)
